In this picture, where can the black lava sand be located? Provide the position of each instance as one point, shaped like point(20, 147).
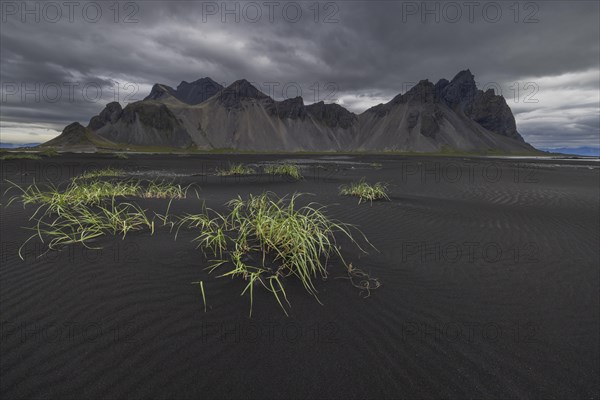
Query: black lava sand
point(490, 289)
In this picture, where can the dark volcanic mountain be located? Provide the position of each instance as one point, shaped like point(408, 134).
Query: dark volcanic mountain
point(203, 114)
point(452, 114)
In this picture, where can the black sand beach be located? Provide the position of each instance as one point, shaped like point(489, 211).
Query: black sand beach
point(490, 289)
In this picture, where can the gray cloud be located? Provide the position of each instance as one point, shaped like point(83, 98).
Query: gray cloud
point(364, 54)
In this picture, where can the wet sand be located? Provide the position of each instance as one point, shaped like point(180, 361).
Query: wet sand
point(490, 289)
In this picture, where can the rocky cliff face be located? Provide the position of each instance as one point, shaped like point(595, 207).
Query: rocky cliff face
point(485, 108)
point(110, 115)
point(429, 117)
point(143, 123)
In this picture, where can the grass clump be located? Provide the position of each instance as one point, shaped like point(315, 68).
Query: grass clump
point(92, 193)
point(264, 239)
point(235, 169)
point(365, 191)
point(82, 223)
point(99, 173)
point(121, 156)
point(20, 157)
point(163, 190)
point(86, 210)
point(284, 169)
point(56, 201)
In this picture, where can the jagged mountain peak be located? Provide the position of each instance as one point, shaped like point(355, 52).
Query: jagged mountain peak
point(332, 114)
point(198, 91)
point(464, 76)
point(423, 91)
point(160, 91)
point(200, 81)
point(190, 93)
point(245, 89)
point(462, 88)
point(233, 95)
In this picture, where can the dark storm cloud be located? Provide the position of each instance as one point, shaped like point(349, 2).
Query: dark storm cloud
point(358, 53)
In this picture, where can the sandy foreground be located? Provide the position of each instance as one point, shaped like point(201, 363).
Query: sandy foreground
point(489, 270)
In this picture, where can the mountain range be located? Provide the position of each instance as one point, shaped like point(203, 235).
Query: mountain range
point(205, 115)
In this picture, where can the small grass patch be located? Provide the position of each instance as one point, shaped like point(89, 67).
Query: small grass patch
point(100, 173)
point(265, 239)
point(163, 190)
point(20, 157)
point(235, 169)
point(284, 169)
point(365, 191)
point(121, 156)
point(78, 193)
point(82, 224)
point(49, 152)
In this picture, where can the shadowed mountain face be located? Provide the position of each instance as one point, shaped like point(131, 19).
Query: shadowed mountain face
point(485, 108)
point(203, 114)
point(189, 93)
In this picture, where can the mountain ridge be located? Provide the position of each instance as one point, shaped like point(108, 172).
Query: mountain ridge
point(205, 115)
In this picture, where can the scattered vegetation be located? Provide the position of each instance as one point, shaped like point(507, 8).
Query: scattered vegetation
point(49, 152)
point(376, 165)
point(98, 173)
point(20, 156)
point(365, 191)
point(284, 169)
point(264, 239)
point(235, 169)
point(163, 190)
point(122, 156)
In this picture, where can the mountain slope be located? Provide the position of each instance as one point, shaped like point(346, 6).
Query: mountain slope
point(77, 137)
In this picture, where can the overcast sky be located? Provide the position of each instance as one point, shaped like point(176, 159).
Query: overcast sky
point(63, 62)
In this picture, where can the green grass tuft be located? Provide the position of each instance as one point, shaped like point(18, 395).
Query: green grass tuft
point(92, 192)
point(163, 190)
point(235, 169)
point(98, 173)
point(82, 224)
point(265, 239)
point(365, 191)
point(86, 210)
point(284, 169)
